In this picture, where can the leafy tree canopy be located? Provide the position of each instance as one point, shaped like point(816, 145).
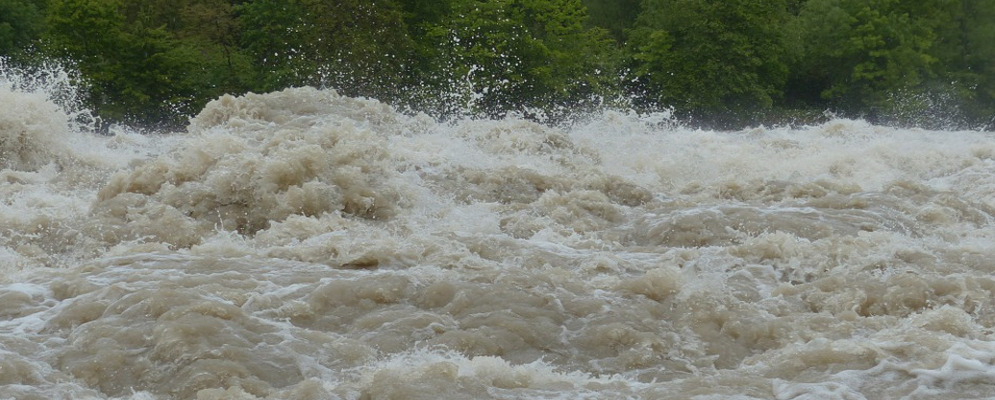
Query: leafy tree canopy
point(711, 58)
point(725, 63)
point(520, 53)
point(21, 22)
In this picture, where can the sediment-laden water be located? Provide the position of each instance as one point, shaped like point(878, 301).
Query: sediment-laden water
point(306, 245)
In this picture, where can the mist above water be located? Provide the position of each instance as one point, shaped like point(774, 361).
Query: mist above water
point(303, 244)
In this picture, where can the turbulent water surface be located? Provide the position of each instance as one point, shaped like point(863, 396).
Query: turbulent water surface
point(306, 245)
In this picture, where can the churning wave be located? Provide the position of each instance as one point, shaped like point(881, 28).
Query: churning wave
point(303, 244)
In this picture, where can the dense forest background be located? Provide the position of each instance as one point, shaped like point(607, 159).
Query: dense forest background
point(718, 63)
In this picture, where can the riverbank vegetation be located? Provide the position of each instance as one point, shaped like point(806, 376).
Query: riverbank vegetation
point(724, 64)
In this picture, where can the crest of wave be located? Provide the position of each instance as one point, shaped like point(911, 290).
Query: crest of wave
point(253, 160)
point(41, 106)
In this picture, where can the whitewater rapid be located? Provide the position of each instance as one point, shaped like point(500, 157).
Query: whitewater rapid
point(306, 245)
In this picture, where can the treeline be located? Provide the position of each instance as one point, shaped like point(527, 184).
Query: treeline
point(720, 63)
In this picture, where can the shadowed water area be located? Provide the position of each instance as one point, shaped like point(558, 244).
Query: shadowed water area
point(306, 245)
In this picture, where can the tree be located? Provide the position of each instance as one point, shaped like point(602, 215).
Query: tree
point(721, 60)
point(212, 28)
point(617, 16)
point(137, 72)
point(979, 59)
point(272, 37)
point(856, 53)
point(504, 55)
point(359, 47)
point(965, 48)
point(21, 23)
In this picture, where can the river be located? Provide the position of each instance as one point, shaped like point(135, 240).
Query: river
point(306, 245)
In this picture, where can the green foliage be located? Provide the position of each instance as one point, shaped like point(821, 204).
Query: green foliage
point(711, 58)
point(361, 46)
point(357, 46)
point(967, 54)
point(859, 50)
point(211, 28)
point(617, 16)
point(727, 63)
point(21, 22)
point(272, 36)
point(518, 54)
point(138, 70)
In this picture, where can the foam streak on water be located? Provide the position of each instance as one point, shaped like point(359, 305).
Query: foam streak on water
point(302, 244)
